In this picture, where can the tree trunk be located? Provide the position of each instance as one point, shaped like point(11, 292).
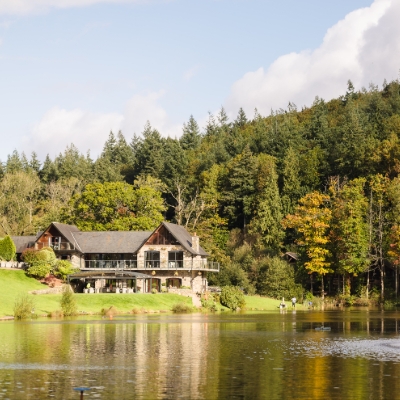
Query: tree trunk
point(322, 287)
point(311, 285)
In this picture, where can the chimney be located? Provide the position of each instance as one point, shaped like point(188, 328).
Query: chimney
point(195, 243)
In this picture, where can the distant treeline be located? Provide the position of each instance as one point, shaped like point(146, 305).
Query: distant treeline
point(321, 182)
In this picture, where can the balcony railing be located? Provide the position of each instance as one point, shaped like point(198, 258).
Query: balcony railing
point(152, 265)
point(55, 246)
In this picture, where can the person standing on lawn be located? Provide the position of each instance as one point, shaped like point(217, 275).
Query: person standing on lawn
point(294, 300)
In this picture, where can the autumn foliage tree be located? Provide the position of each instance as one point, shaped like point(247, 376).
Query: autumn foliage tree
point(311, 221)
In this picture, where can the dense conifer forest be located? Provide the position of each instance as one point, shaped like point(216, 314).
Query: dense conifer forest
point(321, 183)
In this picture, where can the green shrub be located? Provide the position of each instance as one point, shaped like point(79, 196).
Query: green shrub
point(40, 262)
point(32, 256)
point(39, 270)
point(7, 249)
point(64, 268)
point(232, 297)
point(154, 291)
point(277, 280)
point(181, 308)
point(24, 307)
point(68, 302)
point(209, 303)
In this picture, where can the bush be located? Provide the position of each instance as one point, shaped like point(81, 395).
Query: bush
point(39, 270)
point(232, 297)
point(63, 269)
point(277, 280)
point(40, 262)
point(181, 308)
point(208, 302)
point(68, 302)
point(24, 307)
point(154, 291)
point(7, 249)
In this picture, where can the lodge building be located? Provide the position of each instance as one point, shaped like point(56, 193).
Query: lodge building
point(127, 262)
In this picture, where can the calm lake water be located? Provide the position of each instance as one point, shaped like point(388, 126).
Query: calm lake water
point(237, 356)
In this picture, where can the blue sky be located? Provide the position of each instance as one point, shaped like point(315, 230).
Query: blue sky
point(72, 70)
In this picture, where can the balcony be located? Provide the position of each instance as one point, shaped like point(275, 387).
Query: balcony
point(188, 265)
point(59, 246)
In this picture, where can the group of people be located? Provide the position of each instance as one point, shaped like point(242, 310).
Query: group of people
point(283, 304)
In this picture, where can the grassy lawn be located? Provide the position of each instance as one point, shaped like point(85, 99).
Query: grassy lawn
point(266, 303)
point(15, 283)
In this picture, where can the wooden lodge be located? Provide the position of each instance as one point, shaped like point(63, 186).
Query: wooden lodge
point(127, 262)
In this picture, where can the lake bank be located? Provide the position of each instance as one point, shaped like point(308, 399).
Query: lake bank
point(15, 283)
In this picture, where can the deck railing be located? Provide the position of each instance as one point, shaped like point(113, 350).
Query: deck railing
point(55, 246)
point(187, 265)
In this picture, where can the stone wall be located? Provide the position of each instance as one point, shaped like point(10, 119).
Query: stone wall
point(198, 284)
point(55, 290)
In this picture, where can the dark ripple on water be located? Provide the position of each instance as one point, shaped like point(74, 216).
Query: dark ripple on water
point(373, 349)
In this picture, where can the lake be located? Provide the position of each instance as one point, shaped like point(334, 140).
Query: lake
point(253, 355)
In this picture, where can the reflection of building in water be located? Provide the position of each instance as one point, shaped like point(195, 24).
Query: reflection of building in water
point(153, 355)
point(176, 353)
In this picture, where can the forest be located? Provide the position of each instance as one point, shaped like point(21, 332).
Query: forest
point(321, 183)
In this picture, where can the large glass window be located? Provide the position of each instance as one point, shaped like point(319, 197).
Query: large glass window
point(175, 259)
point(152, 259)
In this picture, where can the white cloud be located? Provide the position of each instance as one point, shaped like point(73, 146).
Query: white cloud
point(142, 108)
point(363, 47)
point(32, 6)
point(59, 128)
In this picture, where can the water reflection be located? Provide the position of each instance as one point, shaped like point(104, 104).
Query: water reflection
point(269, 355)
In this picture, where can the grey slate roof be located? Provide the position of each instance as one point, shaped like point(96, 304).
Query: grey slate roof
point(66, 231)
point(183, 237)
point(23, 242)
point(110, 242)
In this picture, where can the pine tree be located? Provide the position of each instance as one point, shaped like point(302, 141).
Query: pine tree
point(7, 249)
point(267, 214)
point(191, 136)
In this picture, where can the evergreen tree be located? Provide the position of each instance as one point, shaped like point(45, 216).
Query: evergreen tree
point(267, 214)
point(7, 249)
point(191, 136)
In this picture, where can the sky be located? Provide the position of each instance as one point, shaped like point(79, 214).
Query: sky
point(73, 70)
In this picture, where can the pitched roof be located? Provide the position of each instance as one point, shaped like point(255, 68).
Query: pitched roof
point(110, 242)
point(23, 242)
point(66, 231)
point(116, 242)
point(183, 237)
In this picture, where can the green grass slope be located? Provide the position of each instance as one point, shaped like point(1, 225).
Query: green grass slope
point(15, 283)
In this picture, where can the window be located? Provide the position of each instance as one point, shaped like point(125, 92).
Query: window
point(175, 259)
point(152, 259)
